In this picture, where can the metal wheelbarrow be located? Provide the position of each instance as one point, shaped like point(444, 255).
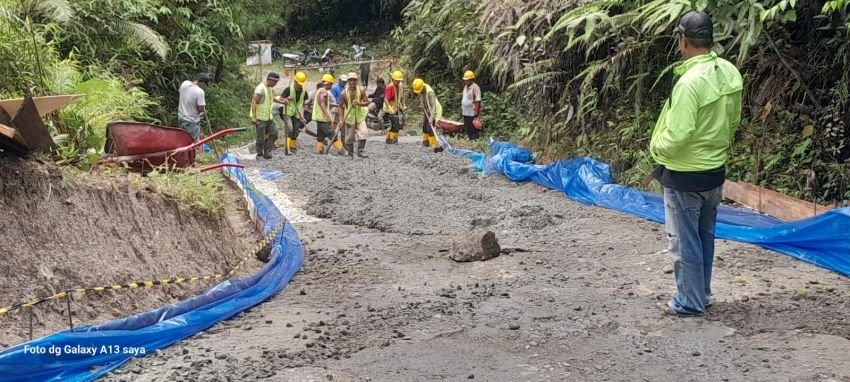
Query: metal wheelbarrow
point(145, 147)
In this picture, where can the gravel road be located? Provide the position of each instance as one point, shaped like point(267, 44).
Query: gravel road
point(571, 298)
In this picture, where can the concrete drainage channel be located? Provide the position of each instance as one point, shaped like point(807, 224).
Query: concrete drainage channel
point(571, 297)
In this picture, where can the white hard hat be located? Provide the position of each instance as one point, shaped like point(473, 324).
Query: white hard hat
point(343, 78)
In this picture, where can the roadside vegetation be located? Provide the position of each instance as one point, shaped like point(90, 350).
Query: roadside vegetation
point(563, 77)
point(589, 77)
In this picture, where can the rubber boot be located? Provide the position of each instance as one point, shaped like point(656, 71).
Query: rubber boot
point(350, 149)
point(320, 147)
point(425, 140)
point(361, 149)
point(394, 138)
point(293, 145)
point(389, 139)
point(337, 145)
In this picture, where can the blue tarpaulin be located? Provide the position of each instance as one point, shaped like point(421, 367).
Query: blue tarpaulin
point(114, 341)
point(823, 240)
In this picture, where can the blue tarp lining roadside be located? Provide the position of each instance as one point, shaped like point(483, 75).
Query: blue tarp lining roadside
point(823, 240)
point(164, 326)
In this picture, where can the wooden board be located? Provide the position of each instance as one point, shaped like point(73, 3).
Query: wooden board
point(29, 125)
point(10, 140)
point(771, 202)
point(44, 105)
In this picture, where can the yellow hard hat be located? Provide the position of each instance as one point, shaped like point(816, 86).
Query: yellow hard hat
point(469, 75)
point(300, 78)
point(418, 85)
point(327, 77)
point(398, 75)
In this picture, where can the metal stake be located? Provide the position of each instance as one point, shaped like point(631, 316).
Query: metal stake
point(31, 308)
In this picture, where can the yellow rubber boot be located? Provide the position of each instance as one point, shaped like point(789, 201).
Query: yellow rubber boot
point(426, 141)
point(432, 141)
point(293, 144)
point(320, 147)
point(337, 145)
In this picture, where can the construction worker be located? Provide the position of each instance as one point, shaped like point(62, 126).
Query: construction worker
point(376, 102)
point(337, 89)
point(470, 105)
point(262, 117)
point(192, 106)
point(323, 116)
point(353, 107)
point(394, 105)
point(294, 97)
point(432, 111)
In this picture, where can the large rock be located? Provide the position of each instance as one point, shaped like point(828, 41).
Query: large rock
point(475, 247)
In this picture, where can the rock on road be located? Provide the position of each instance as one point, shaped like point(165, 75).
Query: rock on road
point(571, 298)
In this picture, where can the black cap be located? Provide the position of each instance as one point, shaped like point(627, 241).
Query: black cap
point(273, 76)
point(204, 77)
point(696, 25)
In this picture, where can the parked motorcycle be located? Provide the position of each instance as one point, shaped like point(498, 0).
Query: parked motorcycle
point(309, 56)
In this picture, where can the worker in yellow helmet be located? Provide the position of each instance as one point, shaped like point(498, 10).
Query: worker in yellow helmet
point(353, 105)
point(322, 115)
point(394, 105)
point(470, 105)
point(294, 97)
point(432, 111)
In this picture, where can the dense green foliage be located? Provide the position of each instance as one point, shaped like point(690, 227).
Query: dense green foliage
point(135, 54)
point(339, 18)
point(589, 77)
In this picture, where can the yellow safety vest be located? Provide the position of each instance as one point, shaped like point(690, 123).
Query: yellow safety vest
point(264, 110)
point(317, 109)
point(292, 108)
point(359, 113)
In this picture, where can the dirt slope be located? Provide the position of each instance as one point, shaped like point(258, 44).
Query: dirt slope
point(83, 231)
point(378, 299)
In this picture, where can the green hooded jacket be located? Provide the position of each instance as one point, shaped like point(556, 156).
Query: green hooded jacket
point(696, 125)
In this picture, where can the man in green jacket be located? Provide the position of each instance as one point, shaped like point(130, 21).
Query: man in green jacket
point(691, 142)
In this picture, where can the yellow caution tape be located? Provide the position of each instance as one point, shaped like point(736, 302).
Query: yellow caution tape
point(147, 284)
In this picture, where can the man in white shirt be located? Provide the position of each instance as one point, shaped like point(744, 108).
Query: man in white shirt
point(192, 105)
point(470, 105)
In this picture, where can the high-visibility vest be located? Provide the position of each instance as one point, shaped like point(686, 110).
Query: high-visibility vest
point(435, 111)
point(358, 114)
point(396, 103)
point(264, 110)
point(293, 107)
point(317, 109)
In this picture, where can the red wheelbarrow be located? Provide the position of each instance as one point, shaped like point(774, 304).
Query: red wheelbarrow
point(144, 146)
point(449, 127)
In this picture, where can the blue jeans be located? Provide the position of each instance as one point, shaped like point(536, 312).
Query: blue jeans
point(193, 128)
point(690, 221)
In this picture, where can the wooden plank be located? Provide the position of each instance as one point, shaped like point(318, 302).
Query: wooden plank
point(29, 125)
point(11, 141)
point(771, 202)
point(5, 118)
point(44, 105)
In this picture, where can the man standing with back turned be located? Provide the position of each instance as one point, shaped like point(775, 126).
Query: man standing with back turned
point(691, 142)
point(193, 106)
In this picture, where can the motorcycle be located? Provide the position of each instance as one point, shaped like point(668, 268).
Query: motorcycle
point(326, 60)
point(309, 56)
point(357, 52)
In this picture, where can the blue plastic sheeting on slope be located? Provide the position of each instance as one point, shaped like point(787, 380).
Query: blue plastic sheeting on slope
point(162, 327)
point(823, 240)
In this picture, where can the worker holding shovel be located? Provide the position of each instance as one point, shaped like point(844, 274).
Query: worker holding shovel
point(431, 112)
point(354, 103)
point(293, 98)
point(323, 117)
point(394, 105)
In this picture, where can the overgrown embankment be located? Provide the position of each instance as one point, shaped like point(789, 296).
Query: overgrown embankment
point(588, 77)
point(64, 231)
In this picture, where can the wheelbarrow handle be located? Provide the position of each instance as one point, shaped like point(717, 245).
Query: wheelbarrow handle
point(214, 136)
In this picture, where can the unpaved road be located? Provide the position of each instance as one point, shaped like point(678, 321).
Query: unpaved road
point(378, 299)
